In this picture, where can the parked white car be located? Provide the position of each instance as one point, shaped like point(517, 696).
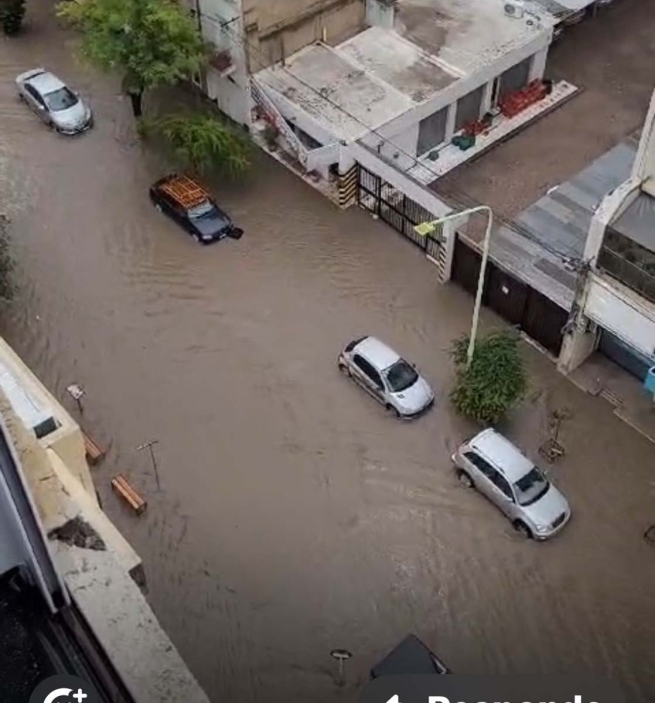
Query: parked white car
point(494, 466)
point(385, 375)
point(54, 102)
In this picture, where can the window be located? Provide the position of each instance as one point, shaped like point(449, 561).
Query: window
point(502, 485)
point(367, 369)
point(482, 464)
point(34, 94)
point(468, 108)
point(515, 78)
point(401, 376)
point(60, 99)
point(531, 487)
point(432, 131)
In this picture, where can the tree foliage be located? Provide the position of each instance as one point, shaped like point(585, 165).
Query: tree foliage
point(495, 380)
point(203, 142)
point(12, 13)
point(151, 42)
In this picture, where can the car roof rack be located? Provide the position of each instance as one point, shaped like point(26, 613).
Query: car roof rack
point(185, 191)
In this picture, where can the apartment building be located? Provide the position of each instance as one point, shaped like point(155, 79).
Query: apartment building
point(614, 308)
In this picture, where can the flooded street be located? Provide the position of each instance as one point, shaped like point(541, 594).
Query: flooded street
point(294, 515)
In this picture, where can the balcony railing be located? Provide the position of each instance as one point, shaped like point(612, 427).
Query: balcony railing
point(628, 273)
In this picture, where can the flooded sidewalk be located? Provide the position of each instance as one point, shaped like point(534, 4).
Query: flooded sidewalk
point(294, 515)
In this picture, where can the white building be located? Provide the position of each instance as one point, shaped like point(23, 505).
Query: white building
point(615, 301)
point(420, 73)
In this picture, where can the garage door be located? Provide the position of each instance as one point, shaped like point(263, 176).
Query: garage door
point(623, 355)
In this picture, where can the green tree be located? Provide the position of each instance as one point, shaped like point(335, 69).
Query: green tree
point(495, 380)
point(12, 13)
point(151, 42)
point(203, 142)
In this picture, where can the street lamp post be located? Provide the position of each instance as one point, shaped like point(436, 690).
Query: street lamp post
point(426, 228)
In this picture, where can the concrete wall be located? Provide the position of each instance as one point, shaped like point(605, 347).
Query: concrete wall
point(277, 29)
point(230, 92)
point(99, 573)
point(67, 441)
point(621, 311)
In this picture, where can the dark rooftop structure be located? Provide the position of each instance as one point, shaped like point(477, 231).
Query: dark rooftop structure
point(411, 656)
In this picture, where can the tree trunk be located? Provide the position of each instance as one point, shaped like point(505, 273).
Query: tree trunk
point(137, 103)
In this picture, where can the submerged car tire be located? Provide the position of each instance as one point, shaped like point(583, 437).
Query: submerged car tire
point(393, 411)
point(344, 369)
point(522, 529)
point(464, 478)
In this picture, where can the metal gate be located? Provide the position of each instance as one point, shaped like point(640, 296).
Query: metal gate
point(515, 301)
point(395, 208)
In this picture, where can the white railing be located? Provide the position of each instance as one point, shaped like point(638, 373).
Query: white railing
point(277, 120)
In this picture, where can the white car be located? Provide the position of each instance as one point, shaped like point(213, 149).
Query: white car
point(384, 374)
point(494, 466)
point(56, 104)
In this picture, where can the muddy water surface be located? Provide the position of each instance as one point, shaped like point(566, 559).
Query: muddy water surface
point(294, 516)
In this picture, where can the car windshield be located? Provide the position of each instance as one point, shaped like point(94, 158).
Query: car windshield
point(401, 376)
point(205, 208)
point(531, 487)
point(60, 99)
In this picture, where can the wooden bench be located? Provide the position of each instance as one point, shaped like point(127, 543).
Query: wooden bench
point(94, 452)
point(128, 494)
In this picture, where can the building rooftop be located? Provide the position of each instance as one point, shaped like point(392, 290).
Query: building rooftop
point(637, 222)
point(378, 74)
point(341, 96)
point(466, 36)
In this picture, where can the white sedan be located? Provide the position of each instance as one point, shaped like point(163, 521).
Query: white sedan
point(386, 376)
point(56, 104)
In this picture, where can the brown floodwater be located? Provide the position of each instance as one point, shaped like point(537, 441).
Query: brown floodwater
point(294, 516)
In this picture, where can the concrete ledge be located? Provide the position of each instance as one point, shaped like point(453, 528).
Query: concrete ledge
point(119, 615)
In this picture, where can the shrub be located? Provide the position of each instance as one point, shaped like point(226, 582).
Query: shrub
point(495, 380)
point(202, 142)
point(12, 13)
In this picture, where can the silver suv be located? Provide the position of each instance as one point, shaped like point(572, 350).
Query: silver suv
point(390, 379)
point(494, 466)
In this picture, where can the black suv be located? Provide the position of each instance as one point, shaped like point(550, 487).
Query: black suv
point(189, 204)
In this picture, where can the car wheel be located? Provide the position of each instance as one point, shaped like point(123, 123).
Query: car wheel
point(344, 369)
point(464, 478)
point(393, 411)
point(522, 529)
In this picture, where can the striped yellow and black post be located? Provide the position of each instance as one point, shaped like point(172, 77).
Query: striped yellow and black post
point(348, 183)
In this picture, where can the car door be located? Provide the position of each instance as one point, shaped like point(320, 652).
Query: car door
point(503, 494)
point(368, 377)
point(36, 102)
point(480, 471)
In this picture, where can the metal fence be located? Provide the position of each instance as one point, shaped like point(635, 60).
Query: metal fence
point(396, 209)
point(631, 275)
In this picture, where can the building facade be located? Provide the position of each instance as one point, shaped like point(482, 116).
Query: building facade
point(250, 35)
point(614, 309)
